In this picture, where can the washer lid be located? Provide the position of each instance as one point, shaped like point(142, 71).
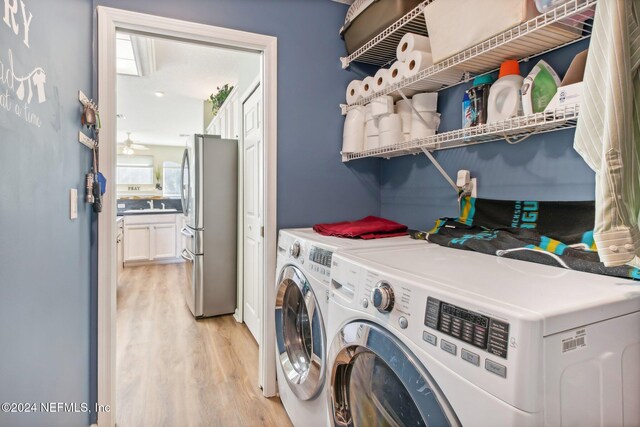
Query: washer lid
point(562, 299)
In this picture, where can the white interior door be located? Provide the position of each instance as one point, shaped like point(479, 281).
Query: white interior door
point(252, 211)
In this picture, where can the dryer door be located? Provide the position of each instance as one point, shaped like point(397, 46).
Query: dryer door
point(300, 336)
point(376, 380)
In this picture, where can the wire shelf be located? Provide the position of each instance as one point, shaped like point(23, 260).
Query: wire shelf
point(381, 50)
point(554, 29)
point(512, 130)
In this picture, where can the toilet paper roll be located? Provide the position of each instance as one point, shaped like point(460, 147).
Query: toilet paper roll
point(371, 128)
point(425, 101)
point(354, 91)
point(381, 80)
point(371, 142)
point(396, 72)
point(390, 123)
point(420, 129)
point(411, 42)
point(353, 131)
point(391, 138)
point(367, 87)
point(403, 107)
point(381, 105)
point(416, 62)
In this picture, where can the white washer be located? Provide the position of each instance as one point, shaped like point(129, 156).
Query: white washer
point(302, 293)
point(437, 336)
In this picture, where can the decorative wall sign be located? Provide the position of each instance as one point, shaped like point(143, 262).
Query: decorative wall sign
point(19, 88)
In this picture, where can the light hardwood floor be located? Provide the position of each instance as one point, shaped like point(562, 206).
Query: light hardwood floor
point(175, 371)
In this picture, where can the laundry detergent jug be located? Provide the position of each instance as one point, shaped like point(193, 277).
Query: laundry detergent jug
point(505, 100)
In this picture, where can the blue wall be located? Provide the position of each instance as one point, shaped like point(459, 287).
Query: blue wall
point(313, 184)
point(543, 167)
point(44, 256)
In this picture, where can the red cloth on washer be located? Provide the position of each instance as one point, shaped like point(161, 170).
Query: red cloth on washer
point(371, 227)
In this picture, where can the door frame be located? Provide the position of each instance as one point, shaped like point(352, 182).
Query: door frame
point(110, 20)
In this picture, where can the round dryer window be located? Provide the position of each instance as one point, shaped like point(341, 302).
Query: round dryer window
point(376, 380)
point(300, 336)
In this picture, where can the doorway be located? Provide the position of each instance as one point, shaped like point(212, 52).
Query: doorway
point(110, 22)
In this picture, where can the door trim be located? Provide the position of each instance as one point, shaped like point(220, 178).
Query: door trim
point(110, 20)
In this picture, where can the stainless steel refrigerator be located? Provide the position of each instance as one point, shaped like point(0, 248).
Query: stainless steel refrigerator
point(210, 205)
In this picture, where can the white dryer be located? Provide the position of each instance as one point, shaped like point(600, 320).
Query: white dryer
point(302, 293)
point(437, 336)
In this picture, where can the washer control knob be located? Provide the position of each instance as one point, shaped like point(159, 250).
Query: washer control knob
point(403, 322)
point(382, 297)
point(294, 250)
point(365, 303)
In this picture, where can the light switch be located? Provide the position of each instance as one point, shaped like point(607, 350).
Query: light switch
point(73, 203)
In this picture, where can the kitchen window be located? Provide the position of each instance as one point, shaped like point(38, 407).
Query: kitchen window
point(170, 179)
point(135, 170)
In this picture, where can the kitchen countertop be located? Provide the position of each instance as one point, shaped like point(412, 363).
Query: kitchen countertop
point(142, 212)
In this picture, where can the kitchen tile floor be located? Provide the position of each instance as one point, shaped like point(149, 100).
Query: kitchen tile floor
point(175, 371)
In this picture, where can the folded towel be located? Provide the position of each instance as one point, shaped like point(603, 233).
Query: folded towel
point(371, 227)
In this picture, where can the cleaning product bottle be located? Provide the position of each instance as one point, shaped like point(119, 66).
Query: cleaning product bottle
point(505, 100)
point(466, 111)
point(479, 98)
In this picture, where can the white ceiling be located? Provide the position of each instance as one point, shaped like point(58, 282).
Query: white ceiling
point(187, 73)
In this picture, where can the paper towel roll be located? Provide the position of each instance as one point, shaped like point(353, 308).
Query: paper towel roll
point(425, 101)
point(403, 107)
point(411, 42)
point(391, 138)
point(371, 142)
point(381, 80)
point(353, 131)
point(367, 87)
point(354, 91)
point(416, 62)
point(381, 105)
point(390, 123)
point(371, 128)
point(420, 129)
point(396, 72)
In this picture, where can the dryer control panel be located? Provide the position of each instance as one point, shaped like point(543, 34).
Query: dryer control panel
point(476, 329)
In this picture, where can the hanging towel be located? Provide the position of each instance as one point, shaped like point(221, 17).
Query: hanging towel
point(371, 227)
point(608, 131)
point(568, 247)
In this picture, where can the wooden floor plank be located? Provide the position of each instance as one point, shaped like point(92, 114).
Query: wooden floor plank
point(175, 371)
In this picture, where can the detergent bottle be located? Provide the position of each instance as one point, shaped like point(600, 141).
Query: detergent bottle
point(505, 100)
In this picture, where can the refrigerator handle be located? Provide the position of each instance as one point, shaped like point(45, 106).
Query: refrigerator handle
point(184, 198)
point(186, 232)
point(186, 255)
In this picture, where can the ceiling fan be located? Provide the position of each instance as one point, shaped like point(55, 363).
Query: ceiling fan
point(129, 145)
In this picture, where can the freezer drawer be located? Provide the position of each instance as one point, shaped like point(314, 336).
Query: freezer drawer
point(193, 240)
point(192, 286)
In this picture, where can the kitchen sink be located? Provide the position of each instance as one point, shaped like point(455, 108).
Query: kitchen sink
point(155, 210)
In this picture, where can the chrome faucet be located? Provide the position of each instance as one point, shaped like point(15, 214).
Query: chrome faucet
point(150, 204)
point(163, 208)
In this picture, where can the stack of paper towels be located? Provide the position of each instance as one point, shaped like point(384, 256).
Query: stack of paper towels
point(418, 115)
point(414, 55)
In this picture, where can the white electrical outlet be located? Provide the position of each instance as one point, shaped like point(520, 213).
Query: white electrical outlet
point(73, 203)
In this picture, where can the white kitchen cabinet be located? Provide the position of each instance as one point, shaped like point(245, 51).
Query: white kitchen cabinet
point(150, 238)
point(137, 243)
point(165, 241)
